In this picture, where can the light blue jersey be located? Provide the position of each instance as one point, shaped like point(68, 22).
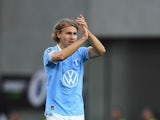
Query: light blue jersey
point(64, 82)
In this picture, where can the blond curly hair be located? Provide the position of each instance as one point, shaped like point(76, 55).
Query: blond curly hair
point(66, 22)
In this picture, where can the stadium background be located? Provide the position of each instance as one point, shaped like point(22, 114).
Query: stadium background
point(127, 76)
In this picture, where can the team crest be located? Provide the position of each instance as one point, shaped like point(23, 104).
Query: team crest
point(76, 61)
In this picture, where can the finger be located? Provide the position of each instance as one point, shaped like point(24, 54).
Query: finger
point(81, 23)
point(80, 20)
point(82, 16)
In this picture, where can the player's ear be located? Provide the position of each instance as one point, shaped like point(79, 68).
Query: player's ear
point(59, 35)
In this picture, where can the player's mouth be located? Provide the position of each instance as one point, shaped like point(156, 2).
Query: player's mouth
point(71, 41)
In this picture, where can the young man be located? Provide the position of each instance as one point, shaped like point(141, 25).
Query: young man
point(63, 66)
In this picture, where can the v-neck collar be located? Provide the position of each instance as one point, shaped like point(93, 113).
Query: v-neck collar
point(59, 48)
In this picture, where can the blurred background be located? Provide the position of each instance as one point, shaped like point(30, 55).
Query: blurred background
point(126, 78)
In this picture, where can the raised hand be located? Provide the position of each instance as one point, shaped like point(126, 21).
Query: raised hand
point(81, 21)
point(83, 25)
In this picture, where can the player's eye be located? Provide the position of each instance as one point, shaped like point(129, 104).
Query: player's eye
point(70, 33)
point(75, 33)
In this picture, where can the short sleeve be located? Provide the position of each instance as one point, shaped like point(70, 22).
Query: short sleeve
point(48, 53)
point(84, 53)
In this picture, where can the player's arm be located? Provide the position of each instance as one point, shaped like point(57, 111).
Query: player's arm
point(66, 52)
point(97, 48)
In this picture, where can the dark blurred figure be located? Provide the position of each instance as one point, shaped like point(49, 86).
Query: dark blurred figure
point(3, 106)
point(157, 114)
point(117, 114)
point(148, 114)
point(14, 116)
point(3, 116)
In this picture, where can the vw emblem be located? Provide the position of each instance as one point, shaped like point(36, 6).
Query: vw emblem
point(70, 78)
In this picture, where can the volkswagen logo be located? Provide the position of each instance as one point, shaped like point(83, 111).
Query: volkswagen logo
point(70, 78)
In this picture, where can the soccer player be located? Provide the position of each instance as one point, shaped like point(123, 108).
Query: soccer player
point(63, 64)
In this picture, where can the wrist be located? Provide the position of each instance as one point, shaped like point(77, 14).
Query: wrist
point(84, 38)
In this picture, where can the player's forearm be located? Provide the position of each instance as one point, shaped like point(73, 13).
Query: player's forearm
point(73, 47)
point(96, 43)
point(68, 51)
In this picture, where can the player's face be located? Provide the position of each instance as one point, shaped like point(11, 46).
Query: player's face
point(68, 36)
